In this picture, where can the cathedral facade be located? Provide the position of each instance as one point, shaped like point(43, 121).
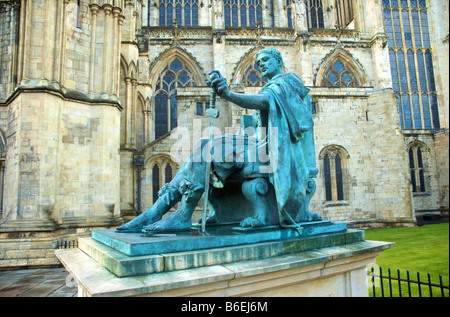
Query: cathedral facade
point(100, 102)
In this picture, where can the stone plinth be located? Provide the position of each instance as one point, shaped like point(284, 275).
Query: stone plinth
point(318, 265)
point(136, 244)
point(193, 252)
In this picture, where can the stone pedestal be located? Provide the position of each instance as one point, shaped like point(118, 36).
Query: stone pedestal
point(330, 264)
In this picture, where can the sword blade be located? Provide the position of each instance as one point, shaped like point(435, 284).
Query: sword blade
point(213, 114)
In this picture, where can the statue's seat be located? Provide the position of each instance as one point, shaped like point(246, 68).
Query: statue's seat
point(249, 193)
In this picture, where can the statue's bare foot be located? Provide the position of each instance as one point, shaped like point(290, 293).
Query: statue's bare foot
point(311, 216)
point(168, 197)
point(174, 222)
point(139, 222)
point(252, 222)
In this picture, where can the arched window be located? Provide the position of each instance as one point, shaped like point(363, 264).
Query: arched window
point(243, 13)
point(168, 173)
point(314, 11)
point(332, 159)
point(289, 13)
point(185, 11)
point(253, 77)
point(155, 182)
point(174, 75)
point(339, 74)
point(416, 155)
point(162, 170)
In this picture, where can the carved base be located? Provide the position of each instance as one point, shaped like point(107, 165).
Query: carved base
point(305, 215)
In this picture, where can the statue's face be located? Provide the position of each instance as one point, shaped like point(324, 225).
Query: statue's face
point(269, 65)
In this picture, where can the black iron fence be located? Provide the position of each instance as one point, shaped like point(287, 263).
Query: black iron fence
point(65, 244)
point(393, 285)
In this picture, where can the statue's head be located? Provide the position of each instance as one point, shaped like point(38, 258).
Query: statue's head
point(275, 53)
point(270, 62)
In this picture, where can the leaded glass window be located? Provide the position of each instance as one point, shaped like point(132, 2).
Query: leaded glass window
point(333, 172)
point(174, 75)
point(168, 173)
point(314, 10)
point(289, 13)
point(344, 12)
point(410, 55)
point(253, 77)
point(162, 171)
point(339, 75)
point(417, 167)
point(327, 175)
point(202, 107)
point(155, 182)
point(185, 11)
point(243, 13)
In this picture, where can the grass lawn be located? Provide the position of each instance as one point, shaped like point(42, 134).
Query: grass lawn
point(422, 249)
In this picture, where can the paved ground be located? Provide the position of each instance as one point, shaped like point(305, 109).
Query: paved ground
point(47, 282)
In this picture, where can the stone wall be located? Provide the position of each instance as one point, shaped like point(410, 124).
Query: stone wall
point(59, 126)
point(441, 145)
point(375, 185)
point(9, 28)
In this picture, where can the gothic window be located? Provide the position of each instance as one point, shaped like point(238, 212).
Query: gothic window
point(332, 159)
point(162, 173)
point(344, 13)
point(417, 167)
point(339, 74)
point(168, 173)
point(185, 11)
point(243, 13)
point(314, 10)
point(410, 55)
point(78, 14)
point(289, 13)
point(201, 108)
point(155, 182)
point(253, 77)
point(174, 75)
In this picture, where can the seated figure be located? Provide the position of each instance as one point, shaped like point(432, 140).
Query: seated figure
point(285, 176)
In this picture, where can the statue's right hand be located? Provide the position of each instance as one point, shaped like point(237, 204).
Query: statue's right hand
point(213, 75)
point(220, 85)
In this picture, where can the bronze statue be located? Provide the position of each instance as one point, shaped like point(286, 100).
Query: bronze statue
point(281, 108)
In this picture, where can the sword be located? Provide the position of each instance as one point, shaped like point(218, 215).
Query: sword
point(212, 113)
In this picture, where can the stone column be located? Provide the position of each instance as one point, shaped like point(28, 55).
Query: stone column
point(94, 12)
point(132, 122)
point(127, 110)
point(116, 54)
point(119, 40)
point(300, 18)
point(107, 50)
point(280, 14)
point(219, 58)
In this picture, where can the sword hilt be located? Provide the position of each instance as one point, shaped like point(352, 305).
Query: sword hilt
point(212, 96)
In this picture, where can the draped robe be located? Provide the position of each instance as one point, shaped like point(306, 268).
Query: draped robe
point(290, 114)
